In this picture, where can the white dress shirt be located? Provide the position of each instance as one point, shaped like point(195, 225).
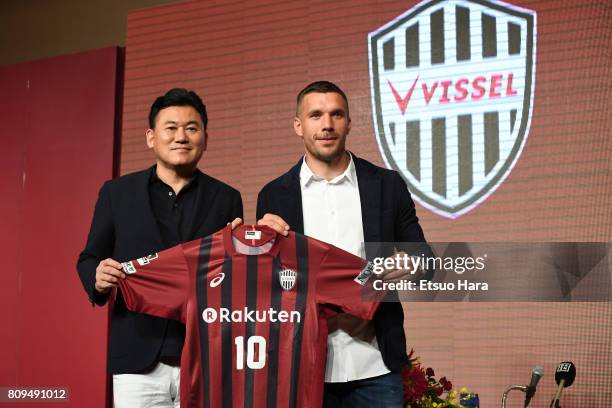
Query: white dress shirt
point(332, 213)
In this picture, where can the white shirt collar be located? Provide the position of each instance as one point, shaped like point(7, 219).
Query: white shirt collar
point(306, 175)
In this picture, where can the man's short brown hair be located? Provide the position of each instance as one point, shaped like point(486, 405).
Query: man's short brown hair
point(321, 87)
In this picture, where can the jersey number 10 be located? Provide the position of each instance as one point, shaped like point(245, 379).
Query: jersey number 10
point(252, 341)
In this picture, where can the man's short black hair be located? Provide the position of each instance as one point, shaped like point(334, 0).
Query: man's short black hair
point(178, 97)
point(321, 87)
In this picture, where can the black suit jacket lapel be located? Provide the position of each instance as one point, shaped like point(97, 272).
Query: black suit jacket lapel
point(291, 200)
point(369, 195)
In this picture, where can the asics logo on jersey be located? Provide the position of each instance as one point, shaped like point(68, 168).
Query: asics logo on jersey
point(216, 281)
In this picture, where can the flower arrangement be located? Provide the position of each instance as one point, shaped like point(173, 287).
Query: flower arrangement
point(423, 390)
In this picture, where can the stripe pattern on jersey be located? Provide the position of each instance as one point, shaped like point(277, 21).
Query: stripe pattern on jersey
point(280, 376)
point(201, 286)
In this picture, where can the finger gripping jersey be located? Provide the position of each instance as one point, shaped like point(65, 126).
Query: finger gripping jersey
point(255, 305)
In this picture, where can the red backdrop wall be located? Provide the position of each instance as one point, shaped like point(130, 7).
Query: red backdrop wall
point(249, 59)
point(59, 126)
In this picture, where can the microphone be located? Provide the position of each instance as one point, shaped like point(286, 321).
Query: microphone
point(564, 376)
point(536, 374)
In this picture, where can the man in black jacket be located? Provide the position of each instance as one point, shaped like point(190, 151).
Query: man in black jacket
point(339, 198)
point(142, 213)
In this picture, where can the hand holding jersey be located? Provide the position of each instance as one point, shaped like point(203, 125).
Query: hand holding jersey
point(275, 222)
point(108, 274)
point(236, 222)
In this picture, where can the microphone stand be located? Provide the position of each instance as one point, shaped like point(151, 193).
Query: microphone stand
point(510, 388)
point(555, 401)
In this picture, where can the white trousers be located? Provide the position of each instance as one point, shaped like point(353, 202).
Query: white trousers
point(158, 388)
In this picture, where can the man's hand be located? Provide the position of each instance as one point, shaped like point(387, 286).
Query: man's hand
point(108, 274)
point(398, 274)
point(236, 222)
point(275, 222)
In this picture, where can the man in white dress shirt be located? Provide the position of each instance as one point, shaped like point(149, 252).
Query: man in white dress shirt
point(336, 197)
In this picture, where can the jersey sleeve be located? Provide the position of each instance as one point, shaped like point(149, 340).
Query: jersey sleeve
point(345, 281)
point(157, 284)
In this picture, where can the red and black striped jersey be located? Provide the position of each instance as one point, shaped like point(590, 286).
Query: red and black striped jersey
point(255, 304)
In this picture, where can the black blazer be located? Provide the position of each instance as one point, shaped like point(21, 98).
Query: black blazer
point(388, 215)
point(124, 228)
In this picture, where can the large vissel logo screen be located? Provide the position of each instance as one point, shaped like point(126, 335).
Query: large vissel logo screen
point(452, 93)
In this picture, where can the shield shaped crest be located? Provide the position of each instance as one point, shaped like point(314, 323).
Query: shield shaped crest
point(287, 278)
point(452, 86)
